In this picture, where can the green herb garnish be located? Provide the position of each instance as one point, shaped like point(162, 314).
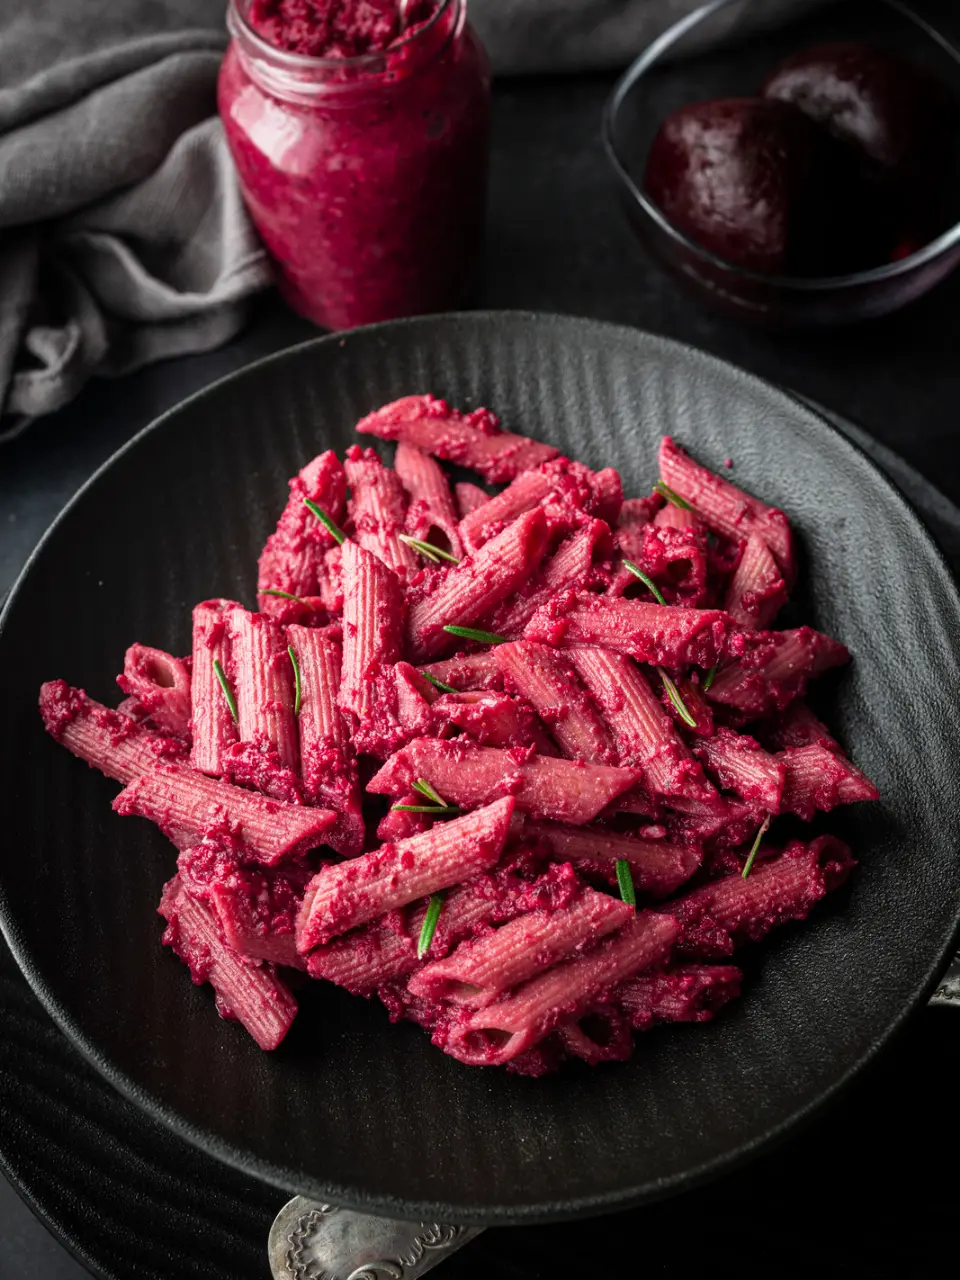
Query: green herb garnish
point(673, 693)
point(711, 676)
point(296, 680)
point(428, 549)
point(625, 881)
point(647, 582)
point(756, 845)
point(429, 927)
point(665, 491)
point(221, 675)
point(284, 595)
point(334, 530)
point(435, 809)
point(439, 684)
point(425, 789)
point(481, 637)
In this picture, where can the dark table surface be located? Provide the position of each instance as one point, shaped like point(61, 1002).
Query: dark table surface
point(866, 1191)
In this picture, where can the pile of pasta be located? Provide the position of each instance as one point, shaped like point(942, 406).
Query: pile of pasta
point(507, 761)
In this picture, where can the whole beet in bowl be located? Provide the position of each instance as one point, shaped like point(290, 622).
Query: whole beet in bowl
point(723, 51)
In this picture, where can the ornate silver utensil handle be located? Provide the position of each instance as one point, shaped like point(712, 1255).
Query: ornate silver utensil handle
point(311, 1241)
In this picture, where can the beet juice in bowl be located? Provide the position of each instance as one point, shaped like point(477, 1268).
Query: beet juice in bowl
point(360, 133)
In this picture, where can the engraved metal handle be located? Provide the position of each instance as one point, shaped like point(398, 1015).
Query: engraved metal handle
point(311, 1241)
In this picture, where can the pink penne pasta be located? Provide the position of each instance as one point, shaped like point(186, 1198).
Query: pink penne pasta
point(725, 507)
point(187, 806)
point(213, 730)
point(566, 491)
point(818, 778)
point(469, 776)
point(735, 910)
point(328, 764)
point(469, 497)
point(474, 439)
point(770, 677)
point(476, 586)
point(598, 1035)
point(665, 636)
point(362, 959)
point(686, 993)
point(263, 684)
point(741, 765)
point(757, 591)
point(431, 515)
point(293, 558)
point(479, 972)
point(468, 671)
point(546, 680)
point(527, 491)
point(643, 735)
point(372, 629)
point(677, 561)
point(797, 726)
point(493, 720)
point(495, 1034)
point(106, 739)
point(255, 907)
point(253, 994)
point(378, 508)
point(342, 897)
point(380, 952)
point(589, 739)
point(658, 867)
point(161, 685)
point(571, 565)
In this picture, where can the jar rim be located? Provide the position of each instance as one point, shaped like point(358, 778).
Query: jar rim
point(309, 62)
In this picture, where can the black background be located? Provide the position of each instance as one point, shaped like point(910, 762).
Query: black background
point(867, 1190)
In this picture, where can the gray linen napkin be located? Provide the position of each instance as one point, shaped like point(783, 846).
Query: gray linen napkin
point(122, 236)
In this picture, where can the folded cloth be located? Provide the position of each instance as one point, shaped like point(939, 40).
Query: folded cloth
point(123, 238)
point(122, 235)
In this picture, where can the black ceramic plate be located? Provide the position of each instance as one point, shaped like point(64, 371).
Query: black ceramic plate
point(351, 1109)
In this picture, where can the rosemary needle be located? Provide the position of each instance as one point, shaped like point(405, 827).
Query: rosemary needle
point(428, 549)
point(711, 676)
point(284, 595)
point(625, 881)
point(665, 491)
point(221, 675)
point(439, 684)
point(647, 582)
point(296, 680)
point(425, 789)
point(429, 927)
point(673, 693)
point(334, 530)
point(471, 633)
point(435, 809)
point(748, 865)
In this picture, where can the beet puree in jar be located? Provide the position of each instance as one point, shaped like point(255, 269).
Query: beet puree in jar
point(359, 129)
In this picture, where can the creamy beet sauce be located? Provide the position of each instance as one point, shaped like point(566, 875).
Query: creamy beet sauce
point(367, 179)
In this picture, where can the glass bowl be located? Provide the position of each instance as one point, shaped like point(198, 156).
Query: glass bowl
point(674, 71)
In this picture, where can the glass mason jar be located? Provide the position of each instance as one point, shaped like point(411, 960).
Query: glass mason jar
point(365, 176)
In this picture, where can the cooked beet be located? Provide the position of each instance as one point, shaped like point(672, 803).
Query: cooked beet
point(751, 180)
point(867, 98)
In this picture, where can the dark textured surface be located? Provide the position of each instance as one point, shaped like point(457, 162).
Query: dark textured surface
point(180, 516)
point(866, 1190)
